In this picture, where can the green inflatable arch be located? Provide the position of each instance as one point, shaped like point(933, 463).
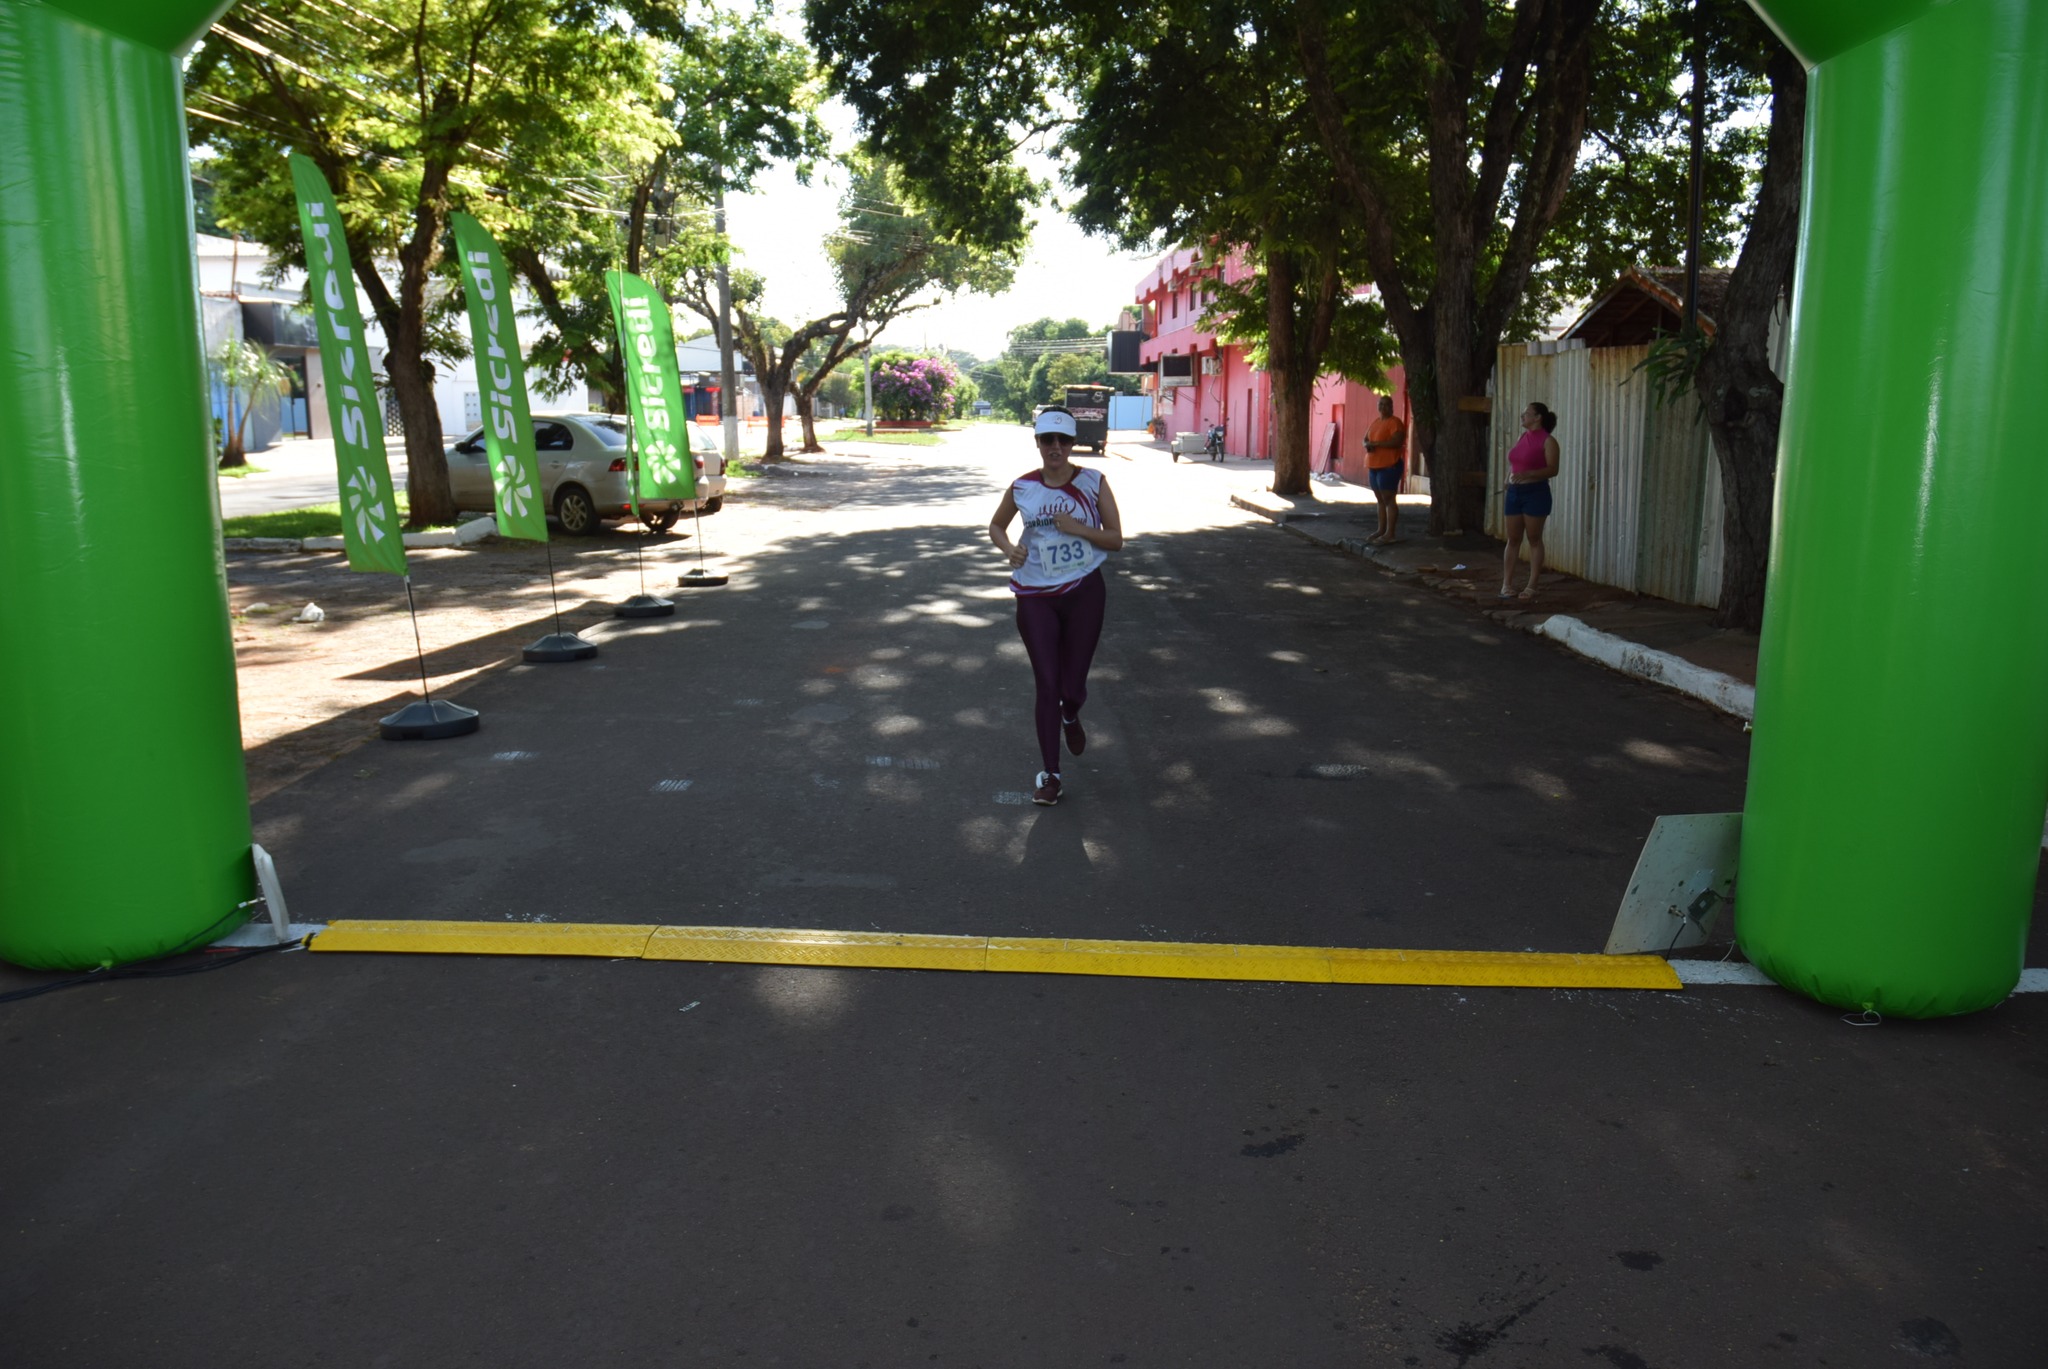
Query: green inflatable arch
point(124, 813)
point(1900, 765)
point(1891, 832)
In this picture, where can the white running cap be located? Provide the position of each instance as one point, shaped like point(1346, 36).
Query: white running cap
point(1055, 421)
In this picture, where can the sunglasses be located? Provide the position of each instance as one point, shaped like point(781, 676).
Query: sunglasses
point(1056, 437)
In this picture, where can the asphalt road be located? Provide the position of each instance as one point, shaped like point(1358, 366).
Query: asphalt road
point(419, 1161)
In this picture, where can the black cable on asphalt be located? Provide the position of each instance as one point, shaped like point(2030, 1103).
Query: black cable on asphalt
point(218, 960)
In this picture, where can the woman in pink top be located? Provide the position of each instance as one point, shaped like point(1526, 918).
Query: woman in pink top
point(1531, 464)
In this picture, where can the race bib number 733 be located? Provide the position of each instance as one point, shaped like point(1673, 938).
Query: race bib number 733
point(1056, 554)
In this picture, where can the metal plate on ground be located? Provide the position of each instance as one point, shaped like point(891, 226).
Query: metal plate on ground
point(1683, 883)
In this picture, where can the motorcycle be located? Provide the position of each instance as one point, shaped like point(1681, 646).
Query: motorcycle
point(1216, 442)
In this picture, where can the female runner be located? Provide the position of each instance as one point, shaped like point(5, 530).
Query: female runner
point(1070, 527)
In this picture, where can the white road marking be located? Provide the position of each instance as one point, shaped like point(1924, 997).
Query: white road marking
point(1725, 972)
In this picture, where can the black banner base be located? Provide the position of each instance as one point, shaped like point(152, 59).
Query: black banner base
point(427, 720)
point(644, 606)
point(559, 646)
point(699, 579)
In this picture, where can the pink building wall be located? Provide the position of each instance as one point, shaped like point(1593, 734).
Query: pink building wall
point(1171, 299)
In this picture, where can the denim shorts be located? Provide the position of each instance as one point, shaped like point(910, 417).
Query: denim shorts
point(1386, 479)
point(1529, 501)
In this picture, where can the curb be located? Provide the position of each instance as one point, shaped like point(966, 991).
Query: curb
point(1724, 692)
point(475, 530)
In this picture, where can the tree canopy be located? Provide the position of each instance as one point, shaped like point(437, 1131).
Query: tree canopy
point(413, 109)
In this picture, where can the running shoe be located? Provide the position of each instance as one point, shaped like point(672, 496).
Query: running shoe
point(1048, 792)
point(1077, 740)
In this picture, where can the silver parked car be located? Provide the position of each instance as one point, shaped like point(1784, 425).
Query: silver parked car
point(583, 474)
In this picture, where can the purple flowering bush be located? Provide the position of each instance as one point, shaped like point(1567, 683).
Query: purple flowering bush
point(915, 387)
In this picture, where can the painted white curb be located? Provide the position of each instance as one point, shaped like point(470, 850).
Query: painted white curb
point(262, 933)
point(476, 530)
point(1692, 972)
point(1724, 692)
point(439, 537)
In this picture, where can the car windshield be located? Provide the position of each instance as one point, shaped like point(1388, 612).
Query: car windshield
point(610, 431)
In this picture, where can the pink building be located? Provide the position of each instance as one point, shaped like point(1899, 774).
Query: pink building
point(1196, 381)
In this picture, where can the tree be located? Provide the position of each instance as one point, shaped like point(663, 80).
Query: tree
point(738, 98)
point(1626, 203)
point(1742, 396)
point(1180, 123)
point(246, 371)
point(889, 261)
point(1003, 383)
point(412, 109)
point(1454, 131)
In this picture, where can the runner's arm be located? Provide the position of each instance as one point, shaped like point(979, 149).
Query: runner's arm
point(1108, 537)
point(999, 529)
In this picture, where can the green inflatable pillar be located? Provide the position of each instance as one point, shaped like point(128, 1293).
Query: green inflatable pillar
point(124, 812)
point(1891, 832)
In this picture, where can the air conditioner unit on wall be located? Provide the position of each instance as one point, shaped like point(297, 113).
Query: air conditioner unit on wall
point(1212, 366)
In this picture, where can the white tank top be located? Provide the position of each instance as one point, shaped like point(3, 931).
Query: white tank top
point(1055, 562)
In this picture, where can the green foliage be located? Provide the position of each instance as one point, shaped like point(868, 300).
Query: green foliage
point(898, 437)
point(315, 520)
point(890, 260)
point(738, 98)
point(1178, 122)
point(1359, 347)
point(1627, 204)
point(412, 109)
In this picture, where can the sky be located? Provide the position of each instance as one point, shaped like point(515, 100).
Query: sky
point(778, 231)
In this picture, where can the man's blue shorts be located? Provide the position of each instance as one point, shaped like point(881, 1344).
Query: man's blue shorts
point(1529, 501)
point(1385, 479)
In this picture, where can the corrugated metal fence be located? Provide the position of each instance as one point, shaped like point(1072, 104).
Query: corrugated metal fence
point(1637, 500)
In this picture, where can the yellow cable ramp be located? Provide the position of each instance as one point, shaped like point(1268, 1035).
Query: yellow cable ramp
point(1005, 954)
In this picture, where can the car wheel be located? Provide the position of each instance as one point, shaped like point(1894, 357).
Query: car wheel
point(714, 504)
point(575, 511)
point(660, 522)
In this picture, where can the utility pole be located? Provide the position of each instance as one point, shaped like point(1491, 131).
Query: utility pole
point(729, 390)
point(867, 384)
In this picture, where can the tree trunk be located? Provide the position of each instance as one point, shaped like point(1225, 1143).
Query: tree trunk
point(806, 413)
point(233, 450)
point(1744, 400)
point(773, 388)
point(1457, 472)
point(1742, 396)
point(427, 495)
point(1293, 376)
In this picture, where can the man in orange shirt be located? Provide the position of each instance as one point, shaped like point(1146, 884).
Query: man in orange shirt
point(1386, 447)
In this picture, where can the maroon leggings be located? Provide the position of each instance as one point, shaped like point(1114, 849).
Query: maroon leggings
point(1060, 632)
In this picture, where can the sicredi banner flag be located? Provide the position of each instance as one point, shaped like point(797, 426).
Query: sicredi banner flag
point(501, 379)
point(647, 345)
point(369, 516)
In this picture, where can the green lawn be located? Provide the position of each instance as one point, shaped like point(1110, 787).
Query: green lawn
point(901, 437)
point(320, 520)
point(236, 472)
